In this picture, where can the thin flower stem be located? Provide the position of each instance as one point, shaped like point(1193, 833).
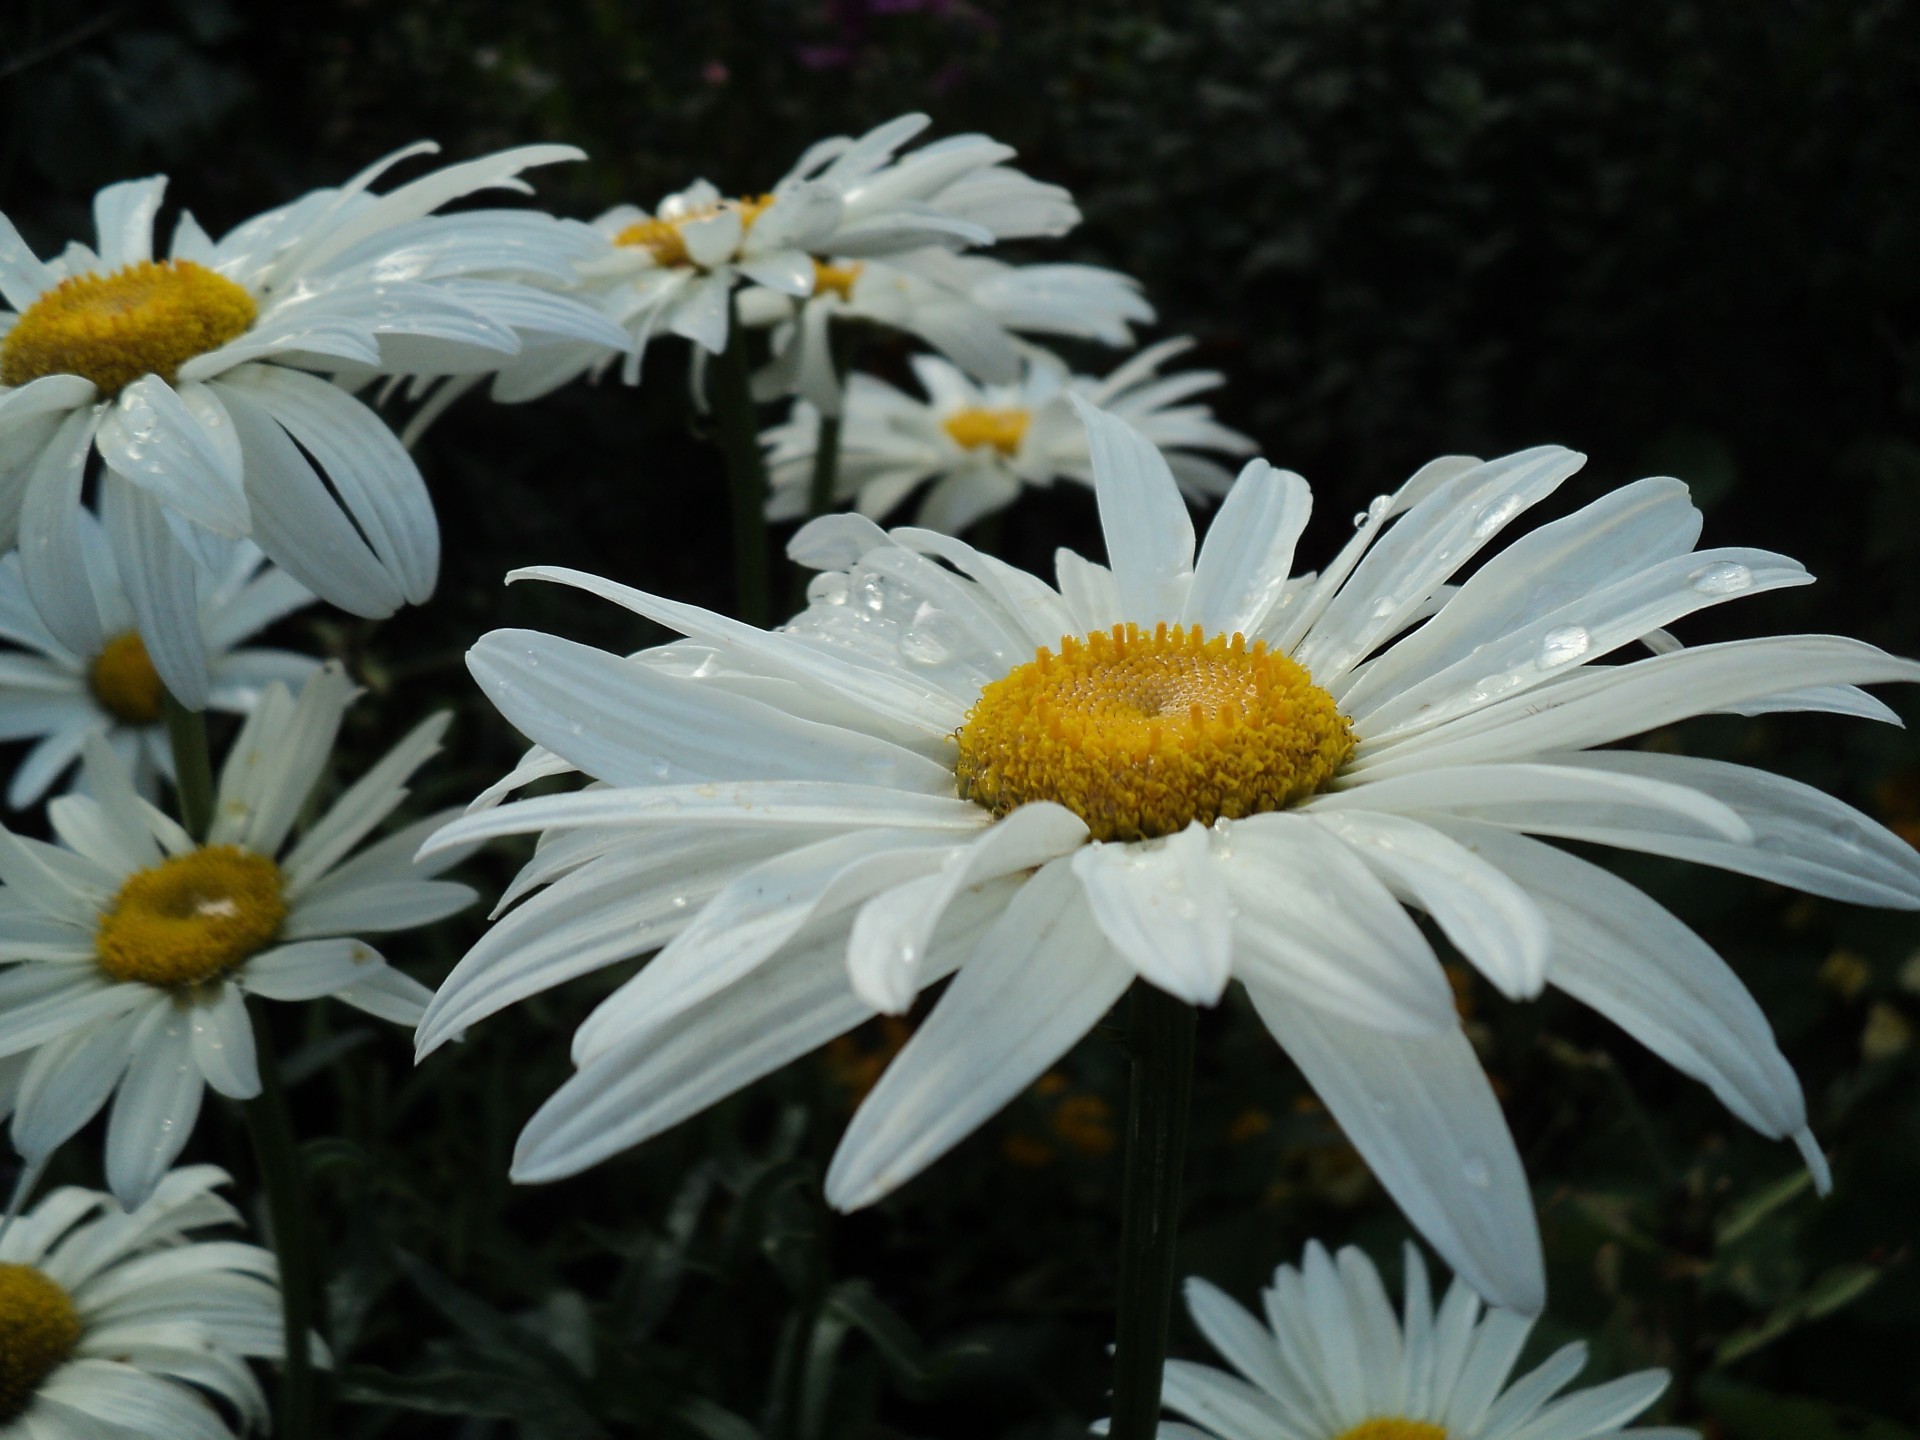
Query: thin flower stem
point(192, 765)
point(270, 1127)
point(739, 440)
point(826, 466)
point(1160, 1038)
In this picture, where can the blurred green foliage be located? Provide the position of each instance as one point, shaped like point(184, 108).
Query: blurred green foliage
point(1680, 236)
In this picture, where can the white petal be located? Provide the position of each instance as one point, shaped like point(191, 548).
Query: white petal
point(23, 278)
point(1163, 905)
point(1039, 979)
point(387, 994)
point(308, 969)
point(374, 908)
point(308, 866)
point(150, 436)
point(123, 220)
point(158, 1102)
point(223, 1044)
point(161, 585)
point(65, 1084)
point(51, 560)
point(1421, 1113)
point(1148, 531)
point(1248, 551)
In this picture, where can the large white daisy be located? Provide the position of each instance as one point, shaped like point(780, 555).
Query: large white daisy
point(133, 949)
point(127, 1323)
point(978, 446)
point(193, 376)
point(1187, 769)
point(970, 308)
point(674, 270)
point(1334, 1362)
point(57, 697)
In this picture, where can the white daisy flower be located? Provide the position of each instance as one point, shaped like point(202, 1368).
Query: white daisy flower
point(57, 697)
point(1182, 768)
point(1333, 1362)
point(968, 307)
point(192, 378)
point(979, 445)
point(674, 270)
point(124, 1322)
point(133, 948)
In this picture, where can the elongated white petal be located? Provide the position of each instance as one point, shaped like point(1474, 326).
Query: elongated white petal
point(65, 1084)
point(161, 583)
point(151, 438)
point(222, 1038)
point(1148, 531)
point(159, 1100)
point(1163, 905)
point(123, 220)
point(1248, 552)
point(308, 969)
point(1421, 1113)
point(51, 559)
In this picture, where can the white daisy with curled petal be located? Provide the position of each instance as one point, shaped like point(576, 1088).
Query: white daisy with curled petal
point(57, 697)
point(194, 378)
point(979, 446)
point(133, 949)
point(1184, 768)
point(128, 1322)
point(848, 200)
point(967, 307)
point(1334, 1362)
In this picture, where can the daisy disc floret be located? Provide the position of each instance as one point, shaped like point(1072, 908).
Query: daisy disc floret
point(1332, 1361)
point(57, 695)
point(1188, 767)
point(134, 949)
point(203, 380)
point(130, 1322)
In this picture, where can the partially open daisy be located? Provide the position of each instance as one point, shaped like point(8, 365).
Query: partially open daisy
point(970, 308)
point(1334, 1362)
point(129, 1323)
point(133, 948)
point(1184, 769)
point(674, 270)
point(977, 446)
point(194, 377)
point(57, 697)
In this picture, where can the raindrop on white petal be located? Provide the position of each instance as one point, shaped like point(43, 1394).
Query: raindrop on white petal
point(659, 768)
point(829, 588)
point(922, 645)
point(1726, 578)
point(1475, 1171)
point(1564, 643)
point(1359, 518)
point(1495, 514)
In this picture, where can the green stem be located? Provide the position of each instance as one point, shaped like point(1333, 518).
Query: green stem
point(271, 1129)
point(739, 440)
point(1160, 1037)
point(826, 466)
point(192, 765)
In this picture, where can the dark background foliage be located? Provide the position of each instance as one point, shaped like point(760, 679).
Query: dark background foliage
point(1682, 237)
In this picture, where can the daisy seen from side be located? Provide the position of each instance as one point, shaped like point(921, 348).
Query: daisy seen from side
point(1183, 768)
point(133, 949)
point(134, 1321)
point(57, 697)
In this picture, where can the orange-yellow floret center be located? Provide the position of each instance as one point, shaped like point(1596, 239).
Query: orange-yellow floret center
point(148, 318)
point(191, 918)
point(1392, 1427)
point(1002, 429)
point(662, 237)
point(39, 1326)
point(1141, 734)
point(836, 279)
point(124, 681)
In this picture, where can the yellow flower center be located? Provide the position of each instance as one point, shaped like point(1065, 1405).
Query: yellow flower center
point(143, 319)
point(1139, 735)
point(1002, 429)
point(191, 918)
point(836, 278)
point(125, 683)
point(663, 237)
point(1391, 1427)
point(39, 1327)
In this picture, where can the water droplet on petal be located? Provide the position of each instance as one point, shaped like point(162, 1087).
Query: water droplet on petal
point(1495, 514)
point(1475, 1171)
point(1726, 578)
point(1563, 644)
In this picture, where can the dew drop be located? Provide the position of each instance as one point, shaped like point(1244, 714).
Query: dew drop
point(922, 645)
point(1726, 578)
point(1495, 514)
point(1563, 644)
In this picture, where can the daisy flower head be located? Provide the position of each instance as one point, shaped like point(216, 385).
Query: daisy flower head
point(977, 446)
point(57, 697)
point(1185, 766)
point(133, 948)
point(126, 1321)
point(674, 269)
point(197, 378)
point(970, 308)
point(1334, 1362)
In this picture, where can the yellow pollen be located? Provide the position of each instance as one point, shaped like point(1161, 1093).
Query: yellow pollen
point(142, 319)
point(1391, 1427)
point(663, 238)
point(837, 278)
point(125, 683)
point(1140, 735)
point(191, 918)
point(39, 1327)
point(1002, 429)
